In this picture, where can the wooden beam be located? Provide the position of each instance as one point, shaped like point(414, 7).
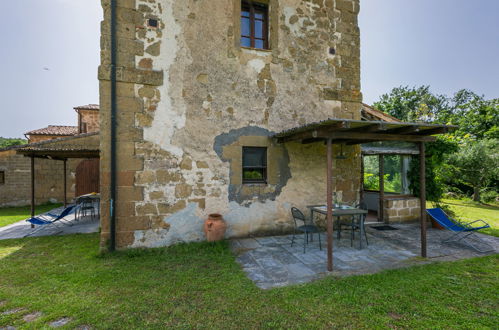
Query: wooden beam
point(422, 197)
point(65, 183)
point(319, 132)
point(404, 130)
point(329, 199)
point(381, 211)
point(377, 137)
point(431, 131)
point(371, 128)
point(32, 188)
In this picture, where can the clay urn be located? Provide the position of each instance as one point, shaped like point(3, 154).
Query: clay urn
point(214, 227)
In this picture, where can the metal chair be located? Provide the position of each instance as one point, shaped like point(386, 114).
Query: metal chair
point(306, 226)
point(85, 204)
point(353, 225)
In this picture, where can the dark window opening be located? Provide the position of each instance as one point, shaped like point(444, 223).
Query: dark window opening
point(152, 22)
point(254, 25)
point(2, 177)
point(254, 165)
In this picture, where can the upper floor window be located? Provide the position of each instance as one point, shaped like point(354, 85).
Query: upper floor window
point(254, 24)
point(2, 177)
point(254, 165)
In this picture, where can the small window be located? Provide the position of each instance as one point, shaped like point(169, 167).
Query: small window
point(254, 165)
point(2, 177)
point(254, 25)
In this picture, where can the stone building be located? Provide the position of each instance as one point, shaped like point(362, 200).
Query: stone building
point(15, 168)
point(201, 87)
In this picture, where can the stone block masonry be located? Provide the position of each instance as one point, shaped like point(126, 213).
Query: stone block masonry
point(189, 99)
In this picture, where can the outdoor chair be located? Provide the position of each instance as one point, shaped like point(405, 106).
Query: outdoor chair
point(461, 232)
point(353, 225)
point(85, 205)
point(306, 226)
point(55, 219)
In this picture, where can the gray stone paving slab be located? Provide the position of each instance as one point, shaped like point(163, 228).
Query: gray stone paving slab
point(69, 225)
point(272, 262)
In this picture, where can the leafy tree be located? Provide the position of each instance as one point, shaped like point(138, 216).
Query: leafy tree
point(436, 157)
point(8, 142)
point(475, 165)
point(476, 117)
point(412, 104)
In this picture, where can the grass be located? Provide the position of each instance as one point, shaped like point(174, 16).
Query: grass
point(10, 215)
point(201, 285)
point(468, 210)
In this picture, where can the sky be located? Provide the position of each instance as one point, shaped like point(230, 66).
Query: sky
point(50, 54)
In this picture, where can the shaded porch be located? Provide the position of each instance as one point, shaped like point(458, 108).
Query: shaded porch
point(272, 262)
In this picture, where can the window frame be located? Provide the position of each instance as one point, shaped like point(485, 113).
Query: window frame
point(263, 167)
point(250, 6)
point(2, 177)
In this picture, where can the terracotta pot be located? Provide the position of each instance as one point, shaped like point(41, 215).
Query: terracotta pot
point(214, 227)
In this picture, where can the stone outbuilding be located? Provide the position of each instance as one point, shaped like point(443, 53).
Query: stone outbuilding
point(15, 168)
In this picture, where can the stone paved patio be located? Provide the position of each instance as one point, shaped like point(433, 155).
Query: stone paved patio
point(72, 226)
point(272, 262)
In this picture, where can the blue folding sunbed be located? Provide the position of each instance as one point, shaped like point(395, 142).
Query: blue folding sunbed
point(464, 232)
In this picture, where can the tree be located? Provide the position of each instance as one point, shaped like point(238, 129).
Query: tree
point(8, 142)
point(476, 117)
point(475, 165)
point(412, 104)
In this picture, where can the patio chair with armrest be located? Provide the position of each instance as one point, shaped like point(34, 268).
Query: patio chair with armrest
point(461, 231)
point(43, 222)
point(304, 225)
point(353, 225)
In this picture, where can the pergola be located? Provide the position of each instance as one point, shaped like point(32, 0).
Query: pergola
point(352, 132)
point(62, 154)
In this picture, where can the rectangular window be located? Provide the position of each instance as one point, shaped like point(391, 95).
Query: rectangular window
point(254, 165)
point(2, 177)
point(396, 168)
point(254, 25)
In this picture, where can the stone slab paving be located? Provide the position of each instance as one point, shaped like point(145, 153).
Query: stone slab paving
point(272, 261)
point(85, 225)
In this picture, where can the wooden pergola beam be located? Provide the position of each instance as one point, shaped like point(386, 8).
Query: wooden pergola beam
point(329, 202)
point(378, 137)
point(405, 130)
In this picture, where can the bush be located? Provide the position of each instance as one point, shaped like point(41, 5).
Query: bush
point(489, 196)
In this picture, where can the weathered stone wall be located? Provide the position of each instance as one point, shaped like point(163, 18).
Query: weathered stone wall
point(189, 98)
point(404, 209)
point(48, 179)
point(91, 119)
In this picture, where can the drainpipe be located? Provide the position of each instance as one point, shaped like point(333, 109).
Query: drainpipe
point(112, 203)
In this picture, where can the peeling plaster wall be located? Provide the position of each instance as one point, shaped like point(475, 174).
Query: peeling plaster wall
point(210, 86)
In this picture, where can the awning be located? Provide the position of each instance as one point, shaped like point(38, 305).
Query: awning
point(359, 131)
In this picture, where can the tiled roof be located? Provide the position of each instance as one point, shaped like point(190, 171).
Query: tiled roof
point(87, 107)
point(55, 130)
point(370, 113)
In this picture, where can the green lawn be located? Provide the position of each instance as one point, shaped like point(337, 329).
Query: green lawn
point(201, 285)
point(10, 215)
point(468, 210)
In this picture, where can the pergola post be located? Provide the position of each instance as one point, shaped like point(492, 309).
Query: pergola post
point(64, 180)
point(381, 212)
point(32, 188)
point(422, 196)
point(329, 201)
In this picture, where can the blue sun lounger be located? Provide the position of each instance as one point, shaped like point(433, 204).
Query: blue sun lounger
point(464, 232)
point(45, 223)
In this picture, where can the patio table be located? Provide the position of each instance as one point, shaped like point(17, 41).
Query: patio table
point(339, 211)
point(95, 197)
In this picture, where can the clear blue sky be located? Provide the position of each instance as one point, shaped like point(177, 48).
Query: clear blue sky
point(50, 53)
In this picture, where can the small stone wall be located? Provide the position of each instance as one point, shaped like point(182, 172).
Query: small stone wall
point(401, 209)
